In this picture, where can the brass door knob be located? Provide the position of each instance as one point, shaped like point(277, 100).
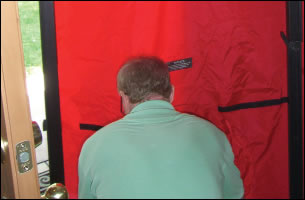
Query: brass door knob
point(56, 191)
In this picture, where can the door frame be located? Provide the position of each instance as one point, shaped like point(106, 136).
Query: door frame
point(16, 123)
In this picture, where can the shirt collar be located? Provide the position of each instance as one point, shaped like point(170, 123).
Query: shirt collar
point(152, 104)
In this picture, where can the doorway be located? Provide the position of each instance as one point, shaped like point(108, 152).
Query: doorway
point(31, 40)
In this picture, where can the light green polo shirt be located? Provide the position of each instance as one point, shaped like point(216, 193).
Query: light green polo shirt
point(155, 152)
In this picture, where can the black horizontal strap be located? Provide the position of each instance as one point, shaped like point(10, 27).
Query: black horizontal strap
point(256, 104)
point(90, 127)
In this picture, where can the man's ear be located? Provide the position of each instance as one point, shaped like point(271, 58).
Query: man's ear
point(122, 93)
point(171, 97)
point(125, 98)
point(126, 103)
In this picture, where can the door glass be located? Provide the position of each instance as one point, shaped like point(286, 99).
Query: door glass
point(31, 40)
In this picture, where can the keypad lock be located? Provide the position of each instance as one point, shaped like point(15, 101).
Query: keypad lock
point(24, 157)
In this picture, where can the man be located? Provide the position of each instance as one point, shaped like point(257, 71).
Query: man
point(155, 151)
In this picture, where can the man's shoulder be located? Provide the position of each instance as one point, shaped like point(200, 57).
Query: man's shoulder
point(104, 134)
point(107, 130)
point(197, 120)
point(201, 124)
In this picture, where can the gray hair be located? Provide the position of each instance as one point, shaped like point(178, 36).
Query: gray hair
point(142, 77)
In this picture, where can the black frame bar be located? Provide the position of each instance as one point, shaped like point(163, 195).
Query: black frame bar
point(53, 120)
point(257, 104)
point(90, 127)
point(295, 106)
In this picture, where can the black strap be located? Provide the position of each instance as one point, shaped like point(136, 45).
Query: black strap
point(90, 127)
point(248, 105)
point(256, 104)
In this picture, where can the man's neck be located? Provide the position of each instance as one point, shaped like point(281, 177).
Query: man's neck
point(154, 97)
point(148, 98)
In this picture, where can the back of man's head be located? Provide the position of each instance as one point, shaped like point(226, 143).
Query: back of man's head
point(141, 77)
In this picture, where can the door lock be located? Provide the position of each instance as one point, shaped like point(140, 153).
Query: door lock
point(24, 157)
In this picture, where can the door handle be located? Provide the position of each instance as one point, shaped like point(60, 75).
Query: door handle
point(56, 191)
point(37, 134)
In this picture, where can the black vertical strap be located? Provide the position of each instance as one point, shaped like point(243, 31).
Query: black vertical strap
point(49, 58)
point(295, 36)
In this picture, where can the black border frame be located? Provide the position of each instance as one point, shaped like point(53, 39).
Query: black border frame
point(295, 106)
point(49, 59)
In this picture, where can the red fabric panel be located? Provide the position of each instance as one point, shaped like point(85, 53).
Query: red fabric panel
point(238, 56)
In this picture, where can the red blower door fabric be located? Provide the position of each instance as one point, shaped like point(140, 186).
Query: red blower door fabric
point(237, 56)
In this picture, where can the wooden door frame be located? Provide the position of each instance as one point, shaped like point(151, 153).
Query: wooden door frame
point(16, 123)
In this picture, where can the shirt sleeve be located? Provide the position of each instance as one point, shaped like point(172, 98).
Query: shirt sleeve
point(85, 180)
point(233, 184)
